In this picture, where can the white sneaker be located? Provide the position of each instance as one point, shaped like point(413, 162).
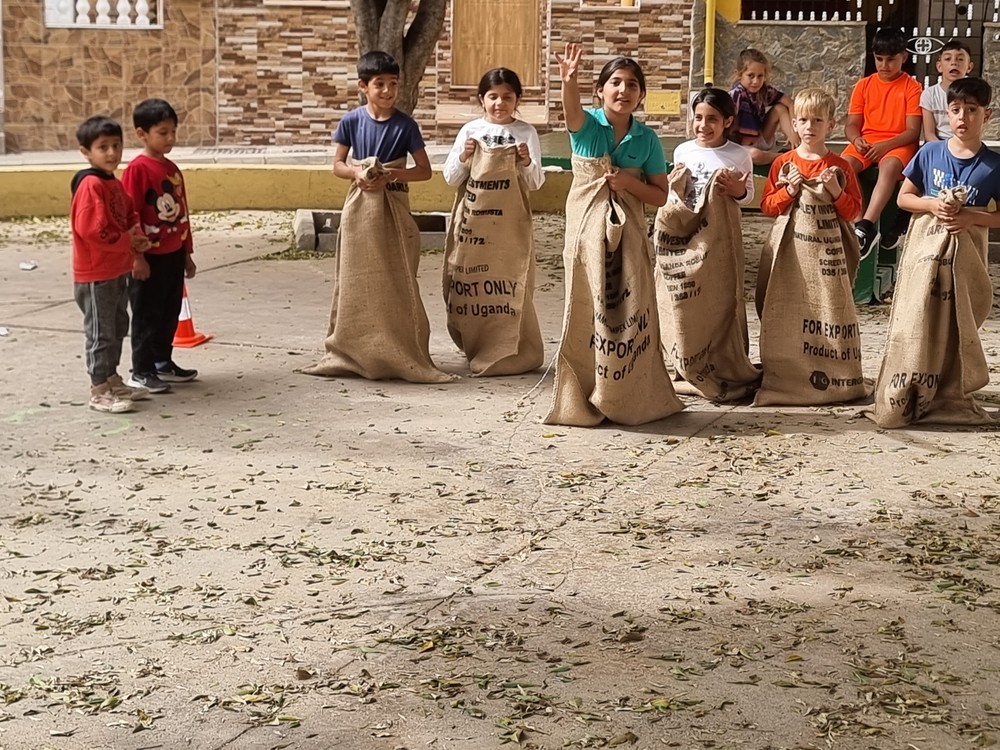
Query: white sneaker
point(102, 398)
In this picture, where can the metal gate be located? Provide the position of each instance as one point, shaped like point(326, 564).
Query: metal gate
point(927, 23)
point(932, 23)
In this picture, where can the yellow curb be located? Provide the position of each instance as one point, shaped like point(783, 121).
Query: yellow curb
point(44, 190)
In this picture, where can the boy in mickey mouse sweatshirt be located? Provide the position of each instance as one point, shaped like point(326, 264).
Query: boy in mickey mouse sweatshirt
point(157, 190)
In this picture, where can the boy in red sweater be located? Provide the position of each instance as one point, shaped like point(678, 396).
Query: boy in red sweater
point(157, 190)
point(107, 248)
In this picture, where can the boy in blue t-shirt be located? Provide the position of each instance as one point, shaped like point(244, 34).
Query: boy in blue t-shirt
point(934, 360)
point(962, 160)
point(378, 325)
point(379, 129)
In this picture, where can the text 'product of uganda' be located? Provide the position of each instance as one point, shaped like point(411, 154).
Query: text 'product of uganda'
point(609, 364)
point(810, 340)
point(489, 268)
point(699, 292)
point(934, 359)
point(378, 325)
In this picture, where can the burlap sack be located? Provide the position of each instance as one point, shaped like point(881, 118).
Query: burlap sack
point(934, 359)
point(489, 268)
point(609, 364)
point(378, 325)
point(810, 340)
point(699, 292)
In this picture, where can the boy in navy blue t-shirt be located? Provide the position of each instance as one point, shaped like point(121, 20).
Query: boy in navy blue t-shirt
point(379, 129)
point(378, 325)
point(960, 161)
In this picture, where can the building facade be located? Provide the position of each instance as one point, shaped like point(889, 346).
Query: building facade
point(256, 72)
point(281, 72)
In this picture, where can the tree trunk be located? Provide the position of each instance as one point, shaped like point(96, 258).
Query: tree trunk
point(381, 25)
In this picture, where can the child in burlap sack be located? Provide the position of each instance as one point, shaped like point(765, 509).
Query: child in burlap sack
point(934, 360)
point(489, 265)
point(699, 258)
point(609, 364)
point(810, 343)
point(378, 325)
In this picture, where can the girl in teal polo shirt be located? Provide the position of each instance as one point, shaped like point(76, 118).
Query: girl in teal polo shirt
point(609, 364)
point(611, 129)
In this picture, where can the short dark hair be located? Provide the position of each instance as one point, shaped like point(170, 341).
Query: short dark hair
point(376, 63)
point(888, 41)
point(151, 112)
point(970, 89)
point(94, 127)
point(956, 44)
point(617, 64)
point(499, 77)
point(718, 99)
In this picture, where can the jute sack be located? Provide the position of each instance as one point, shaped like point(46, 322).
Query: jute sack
point(378, 326)
point(609, 364)
point(699, 292)
point(489, 268)
point(934, 359)
point(810, 340)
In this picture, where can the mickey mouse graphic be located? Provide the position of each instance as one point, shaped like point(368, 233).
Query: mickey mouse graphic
point(168, 210)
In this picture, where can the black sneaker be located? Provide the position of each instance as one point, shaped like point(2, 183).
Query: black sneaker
point(867, 236)
point(149, 381)
point(171, 373)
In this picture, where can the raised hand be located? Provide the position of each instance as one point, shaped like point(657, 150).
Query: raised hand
point(569, 61)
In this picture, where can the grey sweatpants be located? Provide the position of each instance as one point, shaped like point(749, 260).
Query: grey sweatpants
point(105, 324)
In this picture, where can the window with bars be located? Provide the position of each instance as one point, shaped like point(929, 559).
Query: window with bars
point(97, 14)
point(799, 10)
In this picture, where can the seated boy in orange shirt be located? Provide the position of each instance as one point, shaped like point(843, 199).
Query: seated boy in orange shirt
point(883, 127)
point(813, 117)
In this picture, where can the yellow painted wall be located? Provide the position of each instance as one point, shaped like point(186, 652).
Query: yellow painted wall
point(44, 191)
point(730, 9)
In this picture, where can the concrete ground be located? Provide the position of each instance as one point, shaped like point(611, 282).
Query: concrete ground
point(268, 560)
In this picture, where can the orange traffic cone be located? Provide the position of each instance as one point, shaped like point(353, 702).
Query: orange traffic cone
point(186, 336)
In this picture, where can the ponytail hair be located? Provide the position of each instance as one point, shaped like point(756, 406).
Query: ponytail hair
point(717, 99)
point(617, 64)
point(747, 56)
point(498, 77)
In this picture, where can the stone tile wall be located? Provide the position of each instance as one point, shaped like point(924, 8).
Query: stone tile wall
point(284, 73)
point(829, 54)
point(991, 72)
point(56, 78)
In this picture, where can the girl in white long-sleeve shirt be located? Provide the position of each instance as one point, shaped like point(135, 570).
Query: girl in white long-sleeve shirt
point(499, 93)
point(489, 262)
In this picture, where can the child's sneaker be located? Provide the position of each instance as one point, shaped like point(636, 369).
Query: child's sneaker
point(121, 390)
point(102, 398)
point(148, 381)
point(867, 236)
point(170, 372)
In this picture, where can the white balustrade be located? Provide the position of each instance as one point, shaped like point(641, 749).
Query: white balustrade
point(98, 13)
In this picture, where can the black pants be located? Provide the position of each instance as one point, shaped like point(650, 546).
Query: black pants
point(156, 305)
